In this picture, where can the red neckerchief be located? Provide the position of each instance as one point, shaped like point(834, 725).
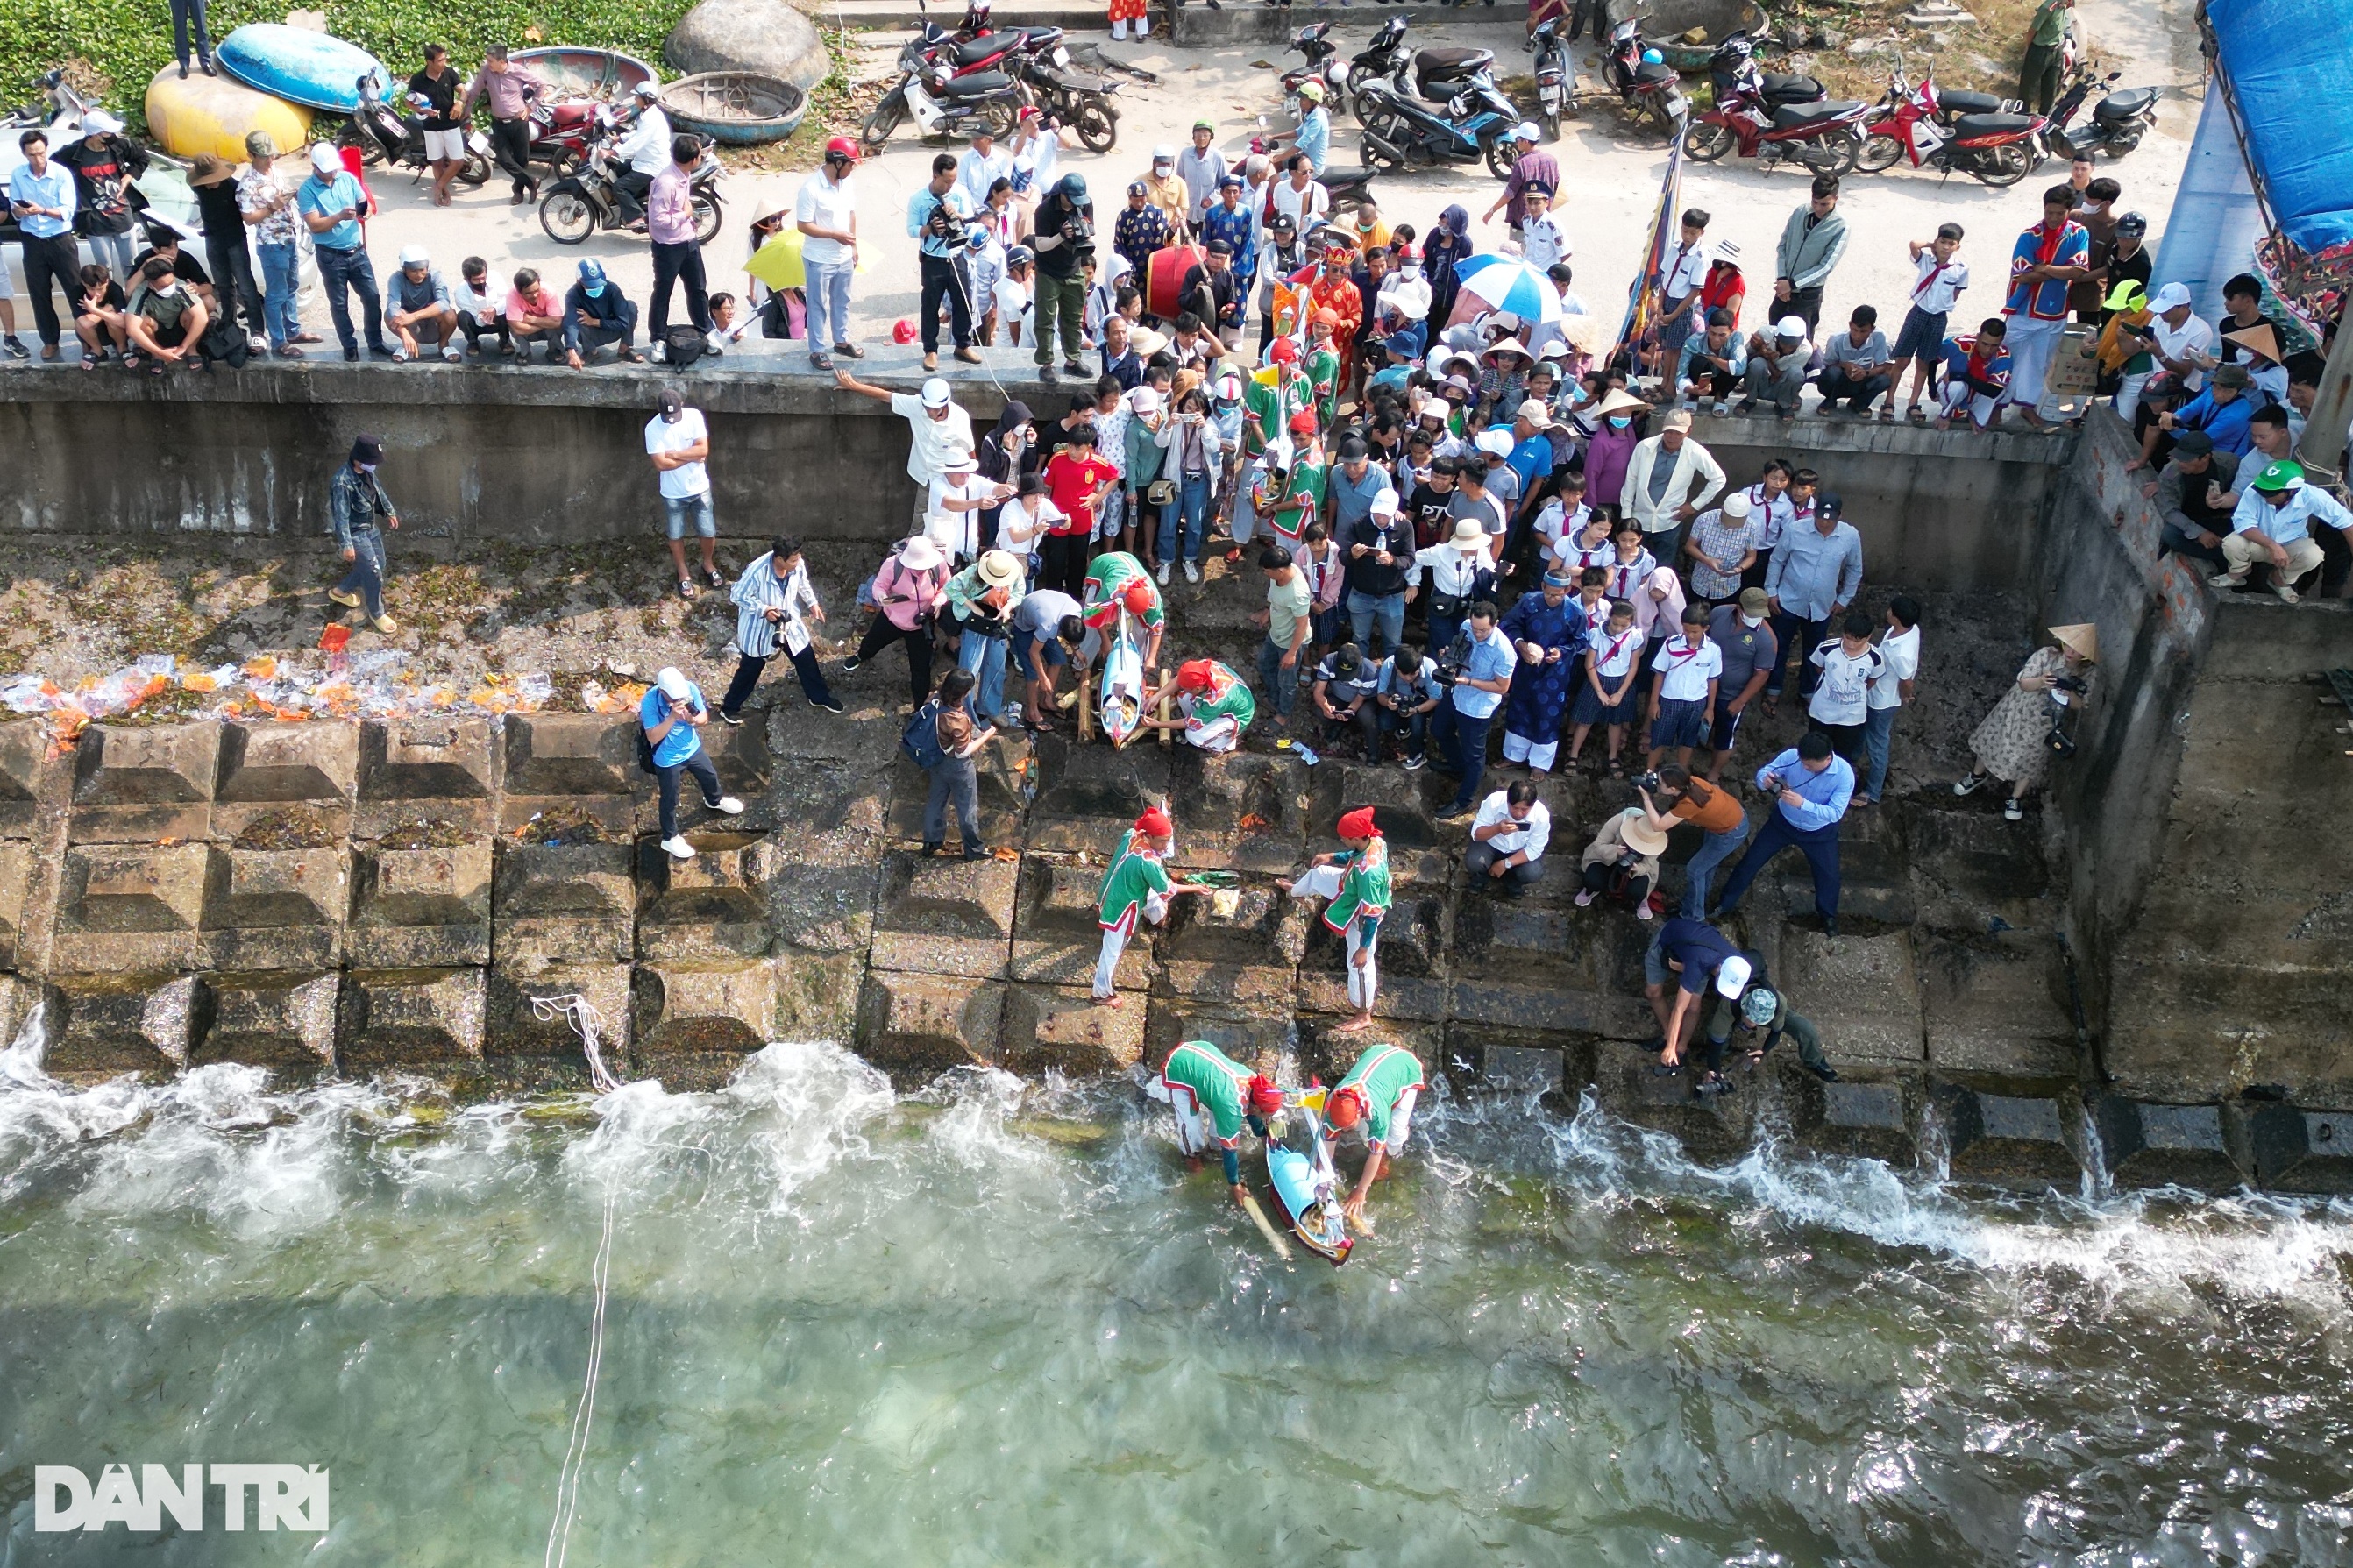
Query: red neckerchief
point(1679, 653)
point(2048, 251)
point(1618, 646)
point(1929, 281)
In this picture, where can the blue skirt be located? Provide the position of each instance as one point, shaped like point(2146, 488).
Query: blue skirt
point(1591, 709)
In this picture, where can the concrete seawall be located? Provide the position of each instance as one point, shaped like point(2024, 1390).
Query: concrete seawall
point(540, 456)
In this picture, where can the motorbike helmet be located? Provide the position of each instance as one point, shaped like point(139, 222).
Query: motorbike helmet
point(841, 147)
point(903, 331)
point(1072, 188)
point(1312, 92)
point(1020, 256)
point(646, 89)
point(1652, 58)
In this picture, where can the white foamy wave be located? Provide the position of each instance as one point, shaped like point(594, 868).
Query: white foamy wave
point(974, 1129)
point(794, 1111)
point(2248, 1245)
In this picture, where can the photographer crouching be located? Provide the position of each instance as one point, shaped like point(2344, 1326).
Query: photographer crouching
point(1672, 795)
point(2033, 722)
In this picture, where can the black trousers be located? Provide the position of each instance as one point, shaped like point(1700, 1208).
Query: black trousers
point(1858, 394)
point(631, 187)
point(1806, 304)
point(234, 284)
point(1480, 861)
point(882, 633)
point(943, 279)
point(679, 263)
point(1846, 740)
point(706, 777)
point(55, 260)
point(747, 676)
point(511, 145)
point(1062, 562)
point(476, 330)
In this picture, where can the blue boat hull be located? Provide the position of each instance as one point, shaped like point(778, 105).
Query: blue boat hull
point(301, 66)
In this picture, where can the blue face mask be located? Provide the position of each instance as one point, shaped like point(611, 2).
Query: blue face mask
point(1619, 421)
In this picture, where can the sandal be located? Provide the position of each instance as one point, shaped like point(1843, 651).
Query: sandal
point(1617, 768)
point(1917, 415)
point(1887, 415)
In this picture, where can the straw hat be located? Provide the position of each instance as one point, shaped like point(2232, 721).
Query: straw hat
point(1640, 836)
point(1619, 401)
point(768, 207)
point(1000, 570)
point(2082, 639)
point(1146, 342)
point(2261, 337)
point(1468, 534)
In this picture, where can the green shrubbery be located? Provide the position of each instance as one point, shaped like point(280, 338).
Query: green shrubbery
point(127, 41)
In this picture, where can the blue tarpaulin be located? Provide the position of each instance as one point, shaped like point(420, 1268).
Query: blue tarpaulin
point(2290, 67)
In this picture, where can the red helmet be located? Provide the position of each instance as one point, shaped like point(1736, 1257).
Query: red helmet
point(842, 147)
point(903, 331)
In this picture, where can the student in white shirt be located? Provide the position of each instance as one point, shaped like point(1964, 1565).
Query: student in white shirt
point(1900, 646)
point(1841, 704)
point(1940, 277)
point(1542, 242)
point(1009, 302)
point(1613, 661)
point(1683, 702)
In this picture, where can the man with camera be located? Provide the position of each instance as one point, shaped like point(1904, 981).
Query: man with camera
point(1508, 839)
point(939, 219)
point(1407, 692)
point(1065, 224)
point(1671, 795)
point(1810, 786)
point(1478, 685)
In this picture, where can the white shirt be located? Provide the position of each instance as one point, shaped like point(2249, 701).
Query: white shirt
point(1554, 523)
point(976, 173)
point(1312, 203)
point(1842, 696)
point(1017, 527)
point(1011, 298)
point(1451, 571)
point(1041, 158)
point(1938, 285)
point(1771, 516)
point(827, 206)
point(2195, 335)
point(675, 435)
point(1901, 652)
point(646, 148)
point(481, 306)
point(1614, 656)
point(956, 532)
point(1531, 836)
point(927, 455)
point(1686, 269)
point(1542, 242)
point(1684, 671)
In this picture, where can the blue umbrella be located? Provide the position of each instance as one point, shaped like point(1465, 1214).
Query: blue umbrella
point(1492, 282)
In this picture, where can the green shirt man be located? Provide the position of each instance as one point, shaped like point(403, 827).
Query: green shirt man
point(1215, 1097)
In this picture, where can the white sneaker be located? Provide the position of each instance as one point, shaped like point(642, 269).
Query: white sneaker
point(1584, 900)
point(1162, 574)
point(1642, 910)
point(1967, 783)
point(1192, 572)
point(729, 806)
point(678, 848)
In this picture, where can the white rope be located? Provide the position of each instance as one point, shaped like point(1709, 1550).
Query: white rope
point(584, 1415)
point(581, 1014)
point(588, 1024)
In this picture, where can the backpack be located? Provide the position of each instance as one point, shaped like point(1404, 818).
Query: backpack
point(921, 739)
point(682, 345)
point(224, 343)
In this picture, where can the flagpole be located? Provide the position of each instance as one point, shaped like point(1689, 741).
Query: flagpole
point(1642, 297)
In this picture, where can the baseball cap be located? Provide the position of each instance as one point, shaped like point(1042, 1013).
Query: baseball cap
point(1789, 327)
point(261, 144)
point(1754, 601)
point(2172, 296)
point(592, 276)
point(936, 393)
point(1828, 504)
point(100, 122)
point(1676, 419)
point(2231, 375)
point(1494, 443)
point(1385, 502)
point(673, 685)
point(325, 159)
point(1525, 130)
point(1735, 505)
point(1536, 413)
point(2192, 444)
point(1732, 978)
point(2287, 474)
point(671, 403)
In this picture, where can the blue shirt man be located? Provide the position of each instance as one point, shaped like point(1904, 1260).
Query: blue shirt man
point(2229, 420)
point(1460, 726)
point(52, 191)
point(1815, 573)
point(320, 197)
point(925, 203)
point(1810, 787)
point(669, 715)
point(1314, 136)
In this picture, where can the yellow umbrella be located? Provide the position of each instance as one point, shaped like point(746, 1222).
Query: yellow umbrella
point(778, 263)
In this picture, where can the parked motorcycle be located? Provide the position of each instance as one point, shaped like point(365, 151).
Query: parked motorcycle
point(578, 204)
point(562, 131)
point(1999, 149)
point(1646, 85)
point(2118, 122)
point(1553, 76)
point(943, 103)
point(1314, 42)
point(1084, 103)
point(1381, 59)
point(389, 131)
point(1825, 135)
point(1474, 126)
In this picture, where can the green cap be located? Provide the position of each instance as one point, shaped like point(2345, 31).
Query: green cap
point(2287, 474)
point(2128, 295)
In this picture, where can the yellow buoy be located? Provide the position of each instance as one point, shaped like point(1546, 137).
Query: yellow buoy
point(213, 114)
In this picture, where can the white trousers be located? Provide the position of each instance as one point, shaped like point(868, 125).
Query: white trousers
point(1192, 1128)
point(1520, 748)
point(1216, 735)
point(2128, 394)
point(1364, 980)
point(2031, 344)
point(1954, 397)
point(1115, 942)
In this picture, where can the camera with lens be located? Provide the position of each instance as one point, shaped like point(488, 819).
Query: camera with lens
point(943, 222)
point(1647, 781)
point(1078, 231)
point(2069, 683)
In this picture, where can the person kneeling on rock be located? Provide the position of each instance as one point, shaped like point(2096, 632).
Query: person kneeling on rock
point(1622, 864)
point(1758, 1021)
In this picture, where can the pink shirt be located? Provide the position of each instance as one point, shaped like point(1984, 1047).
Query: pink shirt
point(670, 208)
point(518, 307)
point(906, 597)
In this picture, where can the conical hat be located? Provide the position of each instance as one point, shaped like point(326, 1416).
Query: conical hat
point(2260, 336)
point(2082, 638)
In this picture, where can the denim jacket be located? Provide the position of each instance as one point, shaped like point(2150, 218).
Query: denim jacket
point(354, 502)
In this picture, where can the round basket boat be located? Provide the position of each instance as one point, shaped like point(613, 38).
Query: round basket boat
point(607, 74)
point(738, 108)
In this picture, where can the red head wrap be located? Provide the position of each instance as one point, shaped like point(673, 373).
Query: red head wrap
point(1264, 1098)
point(1193, 675)
point(1154, 823)
point(1358, 823)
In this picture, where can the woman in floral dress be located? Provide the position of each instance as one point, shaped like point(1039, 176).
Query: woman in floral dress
point(2012, 745)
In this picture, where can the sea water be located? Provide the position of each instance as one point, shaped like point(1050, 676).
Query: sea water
point(997, 1323)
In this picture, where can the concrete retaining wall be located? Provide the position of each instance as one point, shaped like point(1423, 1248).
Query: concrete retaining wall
point(538, 456)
